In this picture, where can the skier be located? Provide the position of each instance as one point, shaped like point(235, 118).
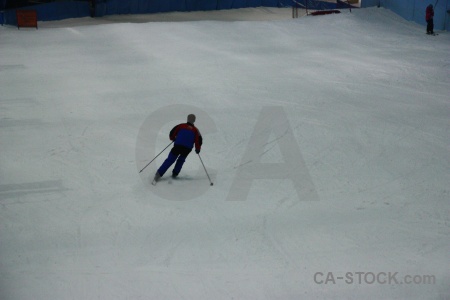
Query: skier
point(92, 8)
point(429, 14)
point(185, 136)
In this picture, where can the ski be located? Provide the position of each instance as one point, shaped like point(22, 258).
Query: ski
point(170, 180)
point(156, 178)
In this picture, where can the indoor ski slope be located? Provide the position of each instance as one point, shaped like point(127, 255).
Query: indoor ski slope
point(327, 139)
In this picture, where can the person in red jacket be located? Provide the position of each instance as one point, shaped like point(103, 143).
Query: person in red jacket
point(185, 136)
point(429, 14)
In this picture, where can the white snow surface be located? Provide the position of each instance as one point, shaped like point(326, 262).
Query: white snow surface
point(358, 103)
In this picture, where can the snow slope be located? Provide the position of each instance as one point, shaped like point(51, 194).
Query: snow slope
point(327, 139)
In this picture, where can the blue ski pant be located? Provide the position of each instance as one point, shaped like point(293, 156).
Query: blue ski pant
point(178, 154)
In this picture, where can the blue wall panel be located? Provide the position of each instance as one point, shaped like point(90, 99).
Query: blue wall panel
point(447, 17)
point(124, 7)
point(369, 3)
point(134, 7)
point(413, 10)
point(403, 8)
point(225, 4)
point(74, 9)
point(62, 10)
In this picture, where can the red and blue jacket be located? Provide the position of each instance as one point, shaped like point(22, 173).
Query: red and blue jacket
point(186, 135)
point(429, 13)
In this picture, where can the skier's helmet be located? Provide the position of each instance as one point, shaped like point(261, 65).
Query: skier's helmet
point(191, 118)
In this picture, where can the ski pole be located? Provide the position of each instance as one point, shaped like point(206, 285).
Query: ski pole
point(210, 182)
point(155, 157)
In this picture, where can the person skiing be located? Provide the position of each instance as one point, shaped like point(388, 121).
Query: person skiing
point(185, 136)
point(429, 14)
